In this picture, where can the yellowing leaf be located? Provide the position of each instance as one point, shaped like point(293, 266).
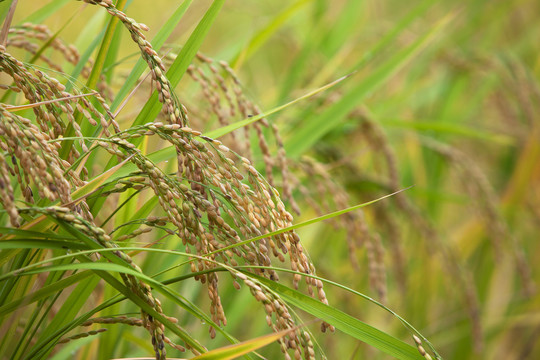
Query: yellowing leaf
point(245, 347)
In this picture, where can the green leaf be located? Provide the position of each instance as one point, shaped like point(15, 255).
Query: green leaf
point(344, 322)
point(103, 266)
point(22, 233)
point(43, 293)
point(311, 132)
point(69, 310)
point(22, 243)
point(4, 8)
point(450, 128)
point(106, 44)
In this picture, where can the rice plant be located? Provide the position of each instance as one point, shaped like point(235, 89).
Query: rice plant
point(184, 196)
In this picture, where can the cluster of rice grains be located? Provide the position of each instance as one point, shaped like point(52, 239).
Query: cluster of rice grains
point(34, 158)
point(223, 92)
point(217, 199)
point(359, 233)
point(226, 99)
point(32, 37)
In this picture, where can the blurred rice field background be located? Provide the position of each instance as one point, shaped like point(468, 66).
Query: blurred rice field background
point(440, 96)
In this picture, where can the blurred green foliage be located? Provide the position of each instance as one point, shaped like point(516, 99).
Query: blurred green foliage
point(443, 95)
